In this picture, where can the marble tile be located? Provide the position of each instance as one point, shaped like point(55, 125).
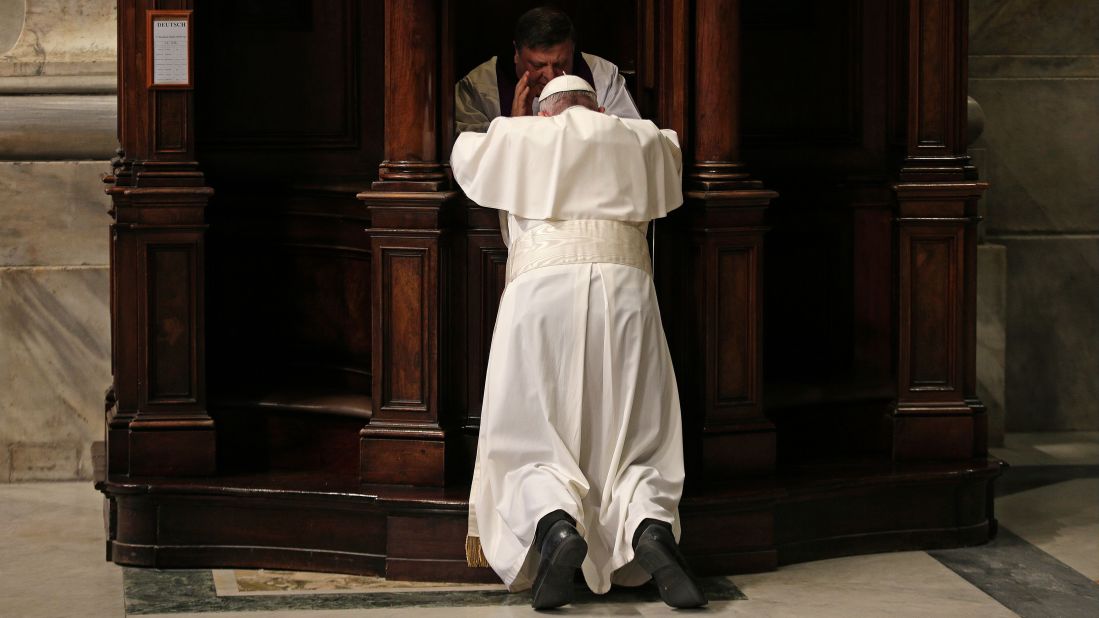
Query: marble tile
point(151, 591)
point(991, 335)
point(651, 609)
point(266, 582)
point(58, 127)
point(1050, 448)
point(1060, 519)
point(55, 355)
point(52, 555)
point(1033, 67)
point(896, 584)
point(1033, 27)
point(1041, 136)
point(46, 462)
point(5, 463)
point(1017, 479)
point(1024, 578)
point(1052, 327)
point(53, 213)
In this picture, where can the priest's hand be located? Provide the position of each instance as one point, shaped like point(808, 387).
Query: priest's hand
point(522, 104)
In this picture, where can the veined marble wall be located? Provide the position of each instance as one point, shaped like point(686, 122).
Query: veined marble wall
point(1034, 68)
point(70, 42)
point(57, 132)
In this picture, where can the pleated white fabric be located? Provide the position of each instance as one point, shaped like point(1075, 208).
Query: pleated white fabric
point(581, 413)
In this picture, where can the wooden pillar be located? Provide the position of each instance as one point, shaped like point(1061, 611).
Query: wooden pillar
point(407, 439)
point(937, 413)
point(157, 423)
point(727, 228)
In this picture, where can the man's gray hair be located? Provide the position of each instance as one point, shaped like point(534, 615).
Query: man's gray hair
point(560, 101)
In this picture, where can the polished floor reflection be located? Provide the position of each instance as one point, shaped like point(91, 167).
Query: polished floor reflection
point(1044, 562)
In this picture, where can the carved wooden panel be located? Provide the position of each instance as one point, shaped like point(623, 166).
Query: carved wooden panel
point(170, 367)
point(930, 308)
point(153, 124)
point(734, 325)
point(304, 103)
point(487, 269)
point(404, 287)
point(125, 316)
point(171, 120)
point(729, 270)
point(170, 272)
point(932, 73)
point(406, 271)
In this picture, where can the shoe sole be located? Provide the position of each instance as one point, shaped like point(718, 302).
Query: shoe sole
point(676, 587)
point(554, 585)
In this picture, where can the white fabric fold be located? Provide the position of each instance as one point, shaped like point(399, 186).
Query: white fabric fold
point(579, 164)
point(580, 413)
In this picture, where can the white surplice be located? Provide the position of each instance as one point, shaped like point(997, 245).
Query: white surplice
point(581, 411)
point(477, 96)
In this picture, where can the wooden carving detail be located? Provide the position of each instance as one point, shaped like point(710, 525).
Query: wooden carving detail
point(172, 131)
point(406, 283)
point(171, 375)
point(935, 280)
point(938, 35)
point(411, 307)
point(734, 345)
point(930, 309)
point(937, 414)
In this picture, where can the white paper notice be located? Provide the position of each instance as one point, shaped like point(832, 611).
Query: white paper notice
point(170, 51)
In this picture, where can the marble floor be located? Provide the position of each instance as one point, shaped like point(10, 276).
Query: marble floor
point(1044, 562)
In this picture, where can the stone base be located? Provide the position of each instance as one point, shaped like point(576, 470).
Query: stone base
point(58, 127)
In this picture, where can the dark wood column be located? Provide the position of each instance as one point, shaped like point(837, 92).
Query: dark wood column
point(727, 228)
point(937, 413)
point(157, 423)
point(407, 440)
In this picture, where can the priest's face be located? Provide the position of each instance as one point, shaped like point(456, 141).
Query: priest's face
point(544, 64)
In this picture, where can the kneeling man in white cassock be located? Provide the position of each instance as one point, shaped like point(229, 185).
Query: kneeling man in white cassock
point(580, 454)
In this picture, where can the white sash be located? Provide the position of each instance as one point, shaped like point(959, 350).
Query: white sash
point(579, 241)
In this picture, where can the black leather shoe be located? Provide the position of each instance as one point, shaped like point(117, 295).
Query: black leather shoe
point(659, 555)
point(563, 551)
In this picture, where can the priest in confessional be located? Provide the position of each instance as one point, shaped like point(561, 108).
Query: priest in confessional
point(543, 47)
point(580, 452)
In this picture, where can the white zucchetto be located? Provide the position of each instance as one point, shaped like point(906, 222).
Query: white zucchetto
point(565, 83)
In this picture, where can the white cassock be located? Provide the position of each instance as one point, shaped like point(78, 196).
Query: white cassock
point(477, 96)
point(581, 411)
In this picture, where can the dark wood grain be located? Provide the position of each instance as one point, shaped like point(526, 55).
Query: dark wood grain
point(296, 521)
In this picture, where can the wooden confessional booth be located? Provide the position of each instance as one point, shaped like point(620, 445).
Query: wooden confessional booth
point(302, 299)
